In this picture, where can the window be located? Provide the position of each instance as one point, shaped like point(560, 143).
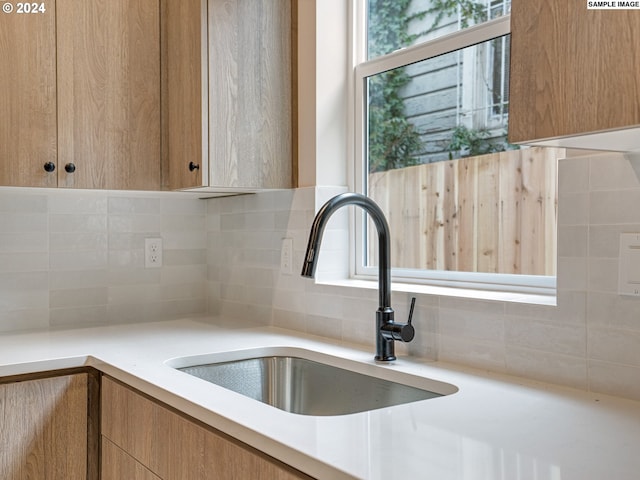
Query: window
point(465, 207)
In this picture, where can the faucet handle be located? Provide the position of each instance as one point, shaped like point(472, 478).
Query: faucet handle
point(403, 332)
point(406, 331)
point(413, 304)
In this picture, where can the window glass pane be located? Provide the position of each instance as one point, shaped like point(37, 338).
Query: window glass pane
point(396, 24)
point(456, 194)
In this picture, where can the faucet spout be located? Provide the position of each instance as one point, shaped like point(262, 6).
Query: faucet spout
point(386, 329)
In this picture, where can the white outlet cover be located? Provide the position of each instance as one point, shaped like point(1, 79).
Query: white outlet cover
point(152, 252)
point(286, 256)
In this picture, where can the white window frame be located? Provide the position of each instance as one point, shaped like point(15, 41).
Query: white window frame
point(527, 284)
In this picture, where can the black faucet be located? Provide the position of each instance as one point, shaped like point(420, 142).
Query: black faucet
point(386, 329)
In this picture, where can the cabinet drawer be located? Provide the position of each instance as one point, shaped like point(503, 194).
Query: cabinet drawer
point(174, 447)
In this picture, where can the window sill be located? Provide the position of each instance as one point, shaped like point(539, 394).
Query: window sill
point(476, 294)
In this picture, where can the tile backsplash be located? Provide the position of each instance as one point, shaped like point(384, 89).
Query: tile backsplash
point(76, 258)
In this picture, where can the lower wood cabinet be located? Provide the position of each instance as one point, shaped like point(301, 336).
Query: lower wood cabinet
point(148, 435)
point(118, 465)
point(45, 428)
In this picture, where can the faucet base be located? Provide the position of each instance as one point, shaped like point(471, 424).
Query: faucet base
point(387, 358)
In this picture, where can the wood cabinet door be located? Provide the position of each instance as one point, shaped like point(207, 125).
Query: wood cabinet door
point(28, 97)
point(573, 70)
point(184, 60)
point(175, 448)
point(44, 425)
point(118, 465)
point(250, 94)
point(109, 93)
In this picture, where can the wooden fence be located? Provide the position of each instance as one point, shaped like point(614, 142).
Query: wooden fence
point(493, 213)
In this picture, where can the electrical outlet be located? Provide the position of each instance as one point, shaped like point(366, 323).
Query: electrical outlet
point(152, 252)
point(286, 256)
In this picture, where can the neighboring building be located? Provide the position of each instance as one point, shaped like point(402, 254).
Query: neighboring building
point(467, 89)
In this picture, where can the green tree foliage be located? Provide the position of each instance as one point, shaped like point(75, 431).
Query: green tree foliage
point(393, 140)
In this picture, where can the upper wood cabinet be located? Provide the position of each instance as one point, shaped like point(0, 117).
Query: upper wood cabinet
point(109, 93)
point(230, 94)
point(81, 85)
point(574, 71)
point(28, 98)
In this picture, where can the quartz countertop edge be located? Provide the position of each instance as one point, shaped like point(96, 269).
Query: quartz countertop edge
point(494, 427)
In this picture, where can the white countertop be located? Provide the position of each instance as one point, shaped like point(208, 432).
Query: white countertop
point(493, 428)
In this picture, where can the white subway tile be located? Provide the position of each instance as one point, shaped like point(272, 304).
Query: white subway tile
point(16, 202)
point(612, 171)
point(76, 203)
point(77, 241)
point(26, 319)
point(549, 337)
point(475, 353)
point(60, 280)
point(134, 205)
point(573, 175)
point(171, 275)
point(614, 379)
point(184, 240)
point(23, 242)
point(573, 273)
point(133, 276)
point(556, 368)
point(132, 294)
point(183, 206)
point(78, 223)
point(610, 309)
point(603, 275)
point(23, 299)
point(135, 223)
point(184, 257)
point(614, 207)
point(572, 241)
point(613, 345)
point(190, 223)
point(573, 209)
point(80, 260)
point(477, 326)
point(24, 262)
point(78, 297)
point(24, 223)
point(78, 316)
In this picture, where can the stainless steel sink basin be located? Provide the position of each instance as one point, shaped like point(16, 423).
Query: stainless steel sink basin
point(306, 387)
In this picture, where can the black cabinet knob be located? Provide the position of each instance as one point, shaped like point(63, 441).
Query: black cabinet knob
point(193, 166)
point(49, 167)
point(69, 168)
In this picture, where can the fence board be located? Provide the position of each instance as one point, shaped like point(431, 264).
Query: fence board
point(491, 213)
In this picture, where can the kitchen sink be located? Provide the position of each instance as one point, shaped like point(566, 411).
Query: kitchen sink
point(307, 387)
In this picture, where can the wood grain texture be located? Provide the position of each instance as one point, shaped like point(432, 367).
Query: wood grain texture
point(493, 213)
point(573, 70)
point(44, 429)
point(176, 448)
point(184, 57)
point(109, 93)
point(117, 465)
point(250, 93)
point(28, 98)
